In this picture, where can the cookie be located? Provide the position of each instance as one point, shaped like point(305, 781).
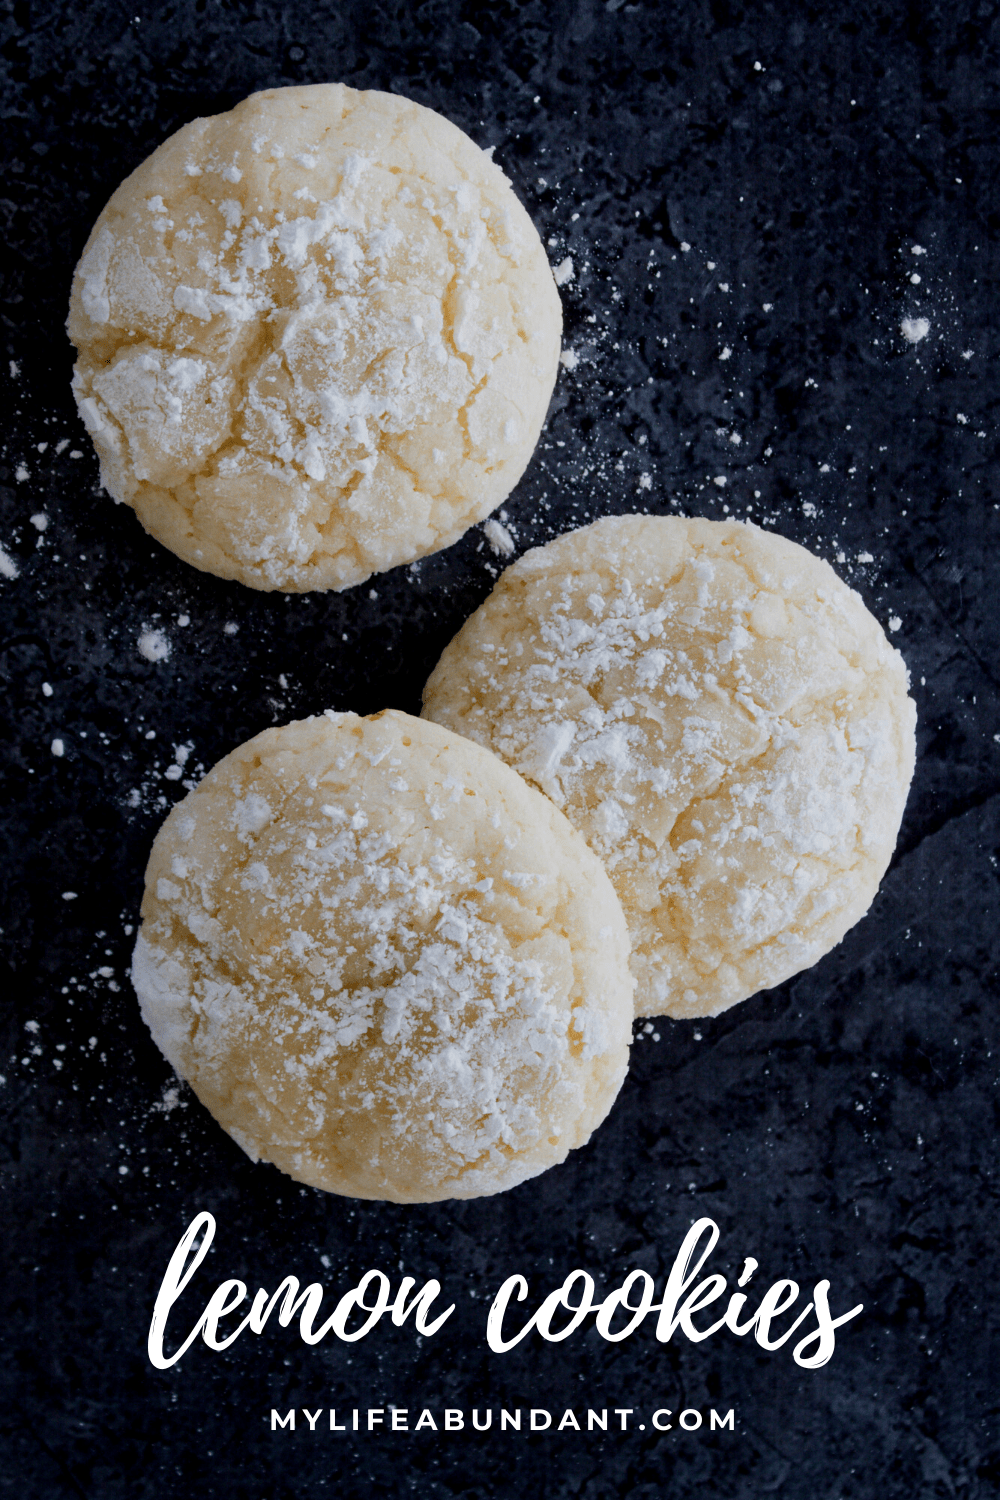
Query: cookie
point(722, 719)
point(317, 338)
point(384, 962)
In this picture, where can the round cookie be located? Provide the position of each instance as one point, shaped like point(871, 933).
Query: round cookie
point(384, 962)
point(722, 719)
point(317, 338)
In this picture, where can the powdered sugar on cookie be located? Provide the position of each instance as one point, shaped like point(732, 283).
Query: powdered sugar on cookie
point(317, 338)
point(340, 955)
point(722, 719)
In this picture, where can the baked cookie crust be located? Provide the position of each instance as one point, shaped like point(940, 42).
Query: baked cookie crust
point(384, 962)
point(317, 338)
point(724, 721)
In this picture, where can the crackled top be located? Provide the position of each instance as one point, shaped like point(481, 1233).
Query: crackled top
point(384, 962)
point(724, 721)
point(317, 337)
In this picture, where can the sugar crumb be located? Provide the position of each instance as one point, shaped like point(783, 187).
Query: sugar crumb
point(154, 645)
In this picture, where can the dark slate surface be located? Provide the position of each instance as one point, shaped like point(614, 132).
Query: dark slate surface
point(843, 1126)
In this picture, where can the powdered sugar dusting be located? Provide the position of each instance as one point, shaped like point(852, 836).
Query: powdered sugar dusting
point(271, 359)
point(720, 717)
point(401, 1011)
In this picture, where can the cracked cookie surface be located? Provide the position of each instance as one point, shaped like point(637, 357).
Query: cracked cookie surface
point(317, 338)
point(723, 720)
point(384, 962)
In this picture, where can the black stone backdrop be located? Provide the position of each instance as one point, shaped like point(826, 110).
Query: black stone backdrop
point(744, 241)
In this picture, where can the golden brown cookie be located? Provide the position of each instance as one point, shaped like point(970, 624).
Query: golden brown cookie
point(723, 720)
point(384, 962)
point(317, 338)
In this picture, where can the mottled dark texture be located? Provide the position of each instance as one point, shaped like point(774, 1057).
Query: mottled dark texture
point(842, 1126)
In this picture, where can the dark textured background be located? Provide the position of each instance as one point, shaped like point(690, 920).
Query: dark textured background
point(843, 1125)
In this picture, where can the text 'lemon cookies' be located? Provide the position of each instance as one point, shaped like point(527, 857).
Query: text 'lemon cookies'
point(317, 338)
point(724, 721)
point(384, 962)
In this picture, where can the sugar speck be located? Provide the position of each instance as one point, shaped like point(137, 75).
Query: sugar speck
point(499, 538)
point(153, 645)
point(914, 329)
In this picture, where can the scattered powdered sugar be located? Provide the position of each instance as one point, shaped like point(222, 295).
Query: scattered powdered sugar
point(170, 1100)
point(181, 755)
point(150, 794)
